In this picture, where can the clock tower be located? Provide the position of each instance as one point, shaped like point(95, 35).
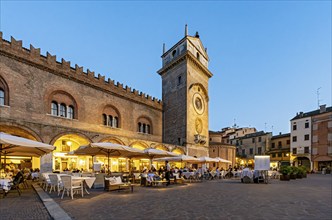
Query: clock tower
point(185, 77)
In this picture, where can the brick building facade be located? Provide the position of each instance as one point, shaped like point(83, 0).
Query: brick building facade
point(50, 101)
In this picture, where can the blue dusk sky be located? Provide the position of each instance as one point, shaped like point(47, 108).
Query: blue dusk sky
point(269, 58)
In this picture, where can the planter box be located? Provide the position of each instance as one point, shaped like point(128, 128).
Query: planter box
point(284, 177)
point(292, 177)
point(299, 176)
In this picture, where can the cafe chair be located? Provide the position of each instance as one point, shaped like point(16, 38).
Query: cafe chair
point(71, 186)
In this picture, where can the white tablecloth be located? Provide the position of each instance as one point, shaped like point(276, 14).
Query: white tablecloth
point(88, 180)
point(247, 173)
point(187, 175)
point(5, 184)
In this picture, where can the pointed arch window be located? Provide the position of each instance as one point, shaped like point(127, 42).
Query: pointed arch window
point(110, 120)
point(115, 122)
point(2, 97)
point(62, 105)
point(70, 112)
point(54, 108)
point(4, 92)
point(104, 119)
point(111, 117)
point(144, 126)
point(63, 110)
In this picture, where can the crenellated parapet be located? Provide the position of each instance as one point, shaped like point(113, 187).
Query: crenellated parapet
point(14, 49)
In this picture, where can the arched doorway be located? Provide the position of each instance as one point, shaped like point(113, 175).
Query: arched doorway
point(302, 161)
point(117, 164)
point(139, 164)
point(19, 161)
point(63, 160)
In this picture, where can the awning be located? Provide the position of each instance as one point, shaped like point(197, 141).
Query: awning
point(322, 158)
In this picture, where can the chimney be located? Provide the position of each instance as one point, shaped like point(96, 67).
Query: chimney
point(322, 108)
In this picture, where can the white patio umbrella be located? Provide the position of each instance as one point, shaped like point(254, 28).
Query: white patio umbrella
point(207, 159)
point(223, 160)
point(18, 146)
point(153, 153)
point(111, 149)
point(179, 158)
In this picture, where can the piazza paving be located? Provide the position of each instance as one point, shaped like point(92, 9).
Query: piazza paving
point(308, 198)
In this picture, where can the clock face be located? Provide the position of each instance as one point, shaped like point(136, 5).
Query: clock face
point(198, 103)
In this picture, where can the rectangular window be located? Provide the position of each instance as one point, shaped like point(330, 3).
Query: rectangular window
point(279, 154)
point(314, 139)
point(294, 150)
point(273, 155)
point(273, 145)
point(329, 124)
point(294, 138)
point(306, 137)
point(314, 151)
point(288, 141)
point(243, 152)
point(253, 140)
point(294, 127)
point(279, 144)
point(329, 136)
point(306, 150)
point(259, 139)
point(251, 151)
point(314, 127)
point(329, 150)
point(306, 125)
point(259, 151)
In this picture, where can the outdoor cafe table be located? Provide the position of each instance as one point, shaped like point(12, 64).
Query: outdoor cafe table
point(88, 182)
point(187, 175)
point(5, 184)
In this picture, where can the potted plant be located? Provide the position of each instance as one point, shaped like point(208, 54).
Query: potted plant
point(303, 171)
point(293, 173)
point(285, 171)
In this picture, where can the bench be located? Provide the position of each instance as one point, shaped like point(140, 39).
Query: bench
point(115, 183)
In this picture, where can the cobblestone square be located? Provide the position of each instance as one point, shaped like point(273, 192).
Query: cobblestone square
point(308, 198)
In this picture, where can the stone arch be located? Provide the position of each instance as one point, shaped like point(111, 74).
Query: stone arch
point(139, 145)
point(70, 133)
point(201, 87)
point(178, 150)
point(113, 140)
point(4, 86)
point(61, 96)
point(161, 147)
point(20, 130)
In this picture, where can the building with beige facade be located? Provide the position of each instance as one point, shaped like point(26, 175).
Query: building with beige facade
point(311, 139)
point(52, 101)
point(279, 150)
point(252, 144)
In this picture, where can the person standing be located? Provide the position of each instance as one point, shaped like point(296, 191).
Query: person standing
point(168, 173)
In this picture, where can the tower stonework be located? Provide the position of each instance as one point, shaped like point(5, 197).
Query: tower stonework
point(185, 77)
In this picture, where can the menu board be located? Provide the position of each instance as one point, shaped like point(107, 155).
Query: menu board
point(262, 162)
point(96, 167)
